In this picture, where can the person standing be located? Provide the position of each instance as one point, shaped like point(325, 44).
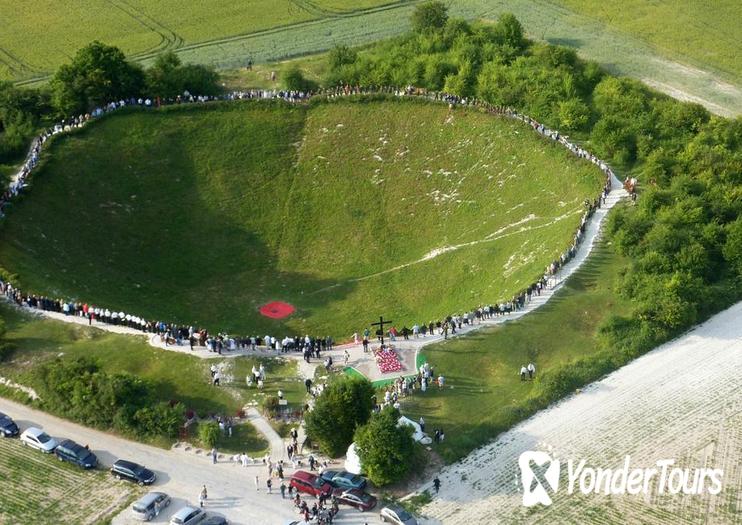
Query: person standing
point(269, 484)
point(436, 484)
point(203, 495)
point(531, 370)
point(282, 488)
point(422, 424)
point(257, 484)
point(213, 456)
point(523, 372)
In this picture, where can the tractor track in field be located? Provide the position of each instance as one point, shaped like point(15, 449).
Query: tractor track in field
point(177, 43)
point(169, 39)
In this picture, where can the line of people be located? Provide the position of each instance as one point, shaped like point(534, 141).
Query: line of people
point(177, 334)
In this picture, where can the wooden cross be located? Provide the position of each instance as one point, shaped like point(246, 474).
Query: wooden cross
point(381, 324)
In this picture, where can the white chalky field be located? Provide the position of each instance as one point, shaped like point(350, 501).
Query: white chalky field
point(680, 402)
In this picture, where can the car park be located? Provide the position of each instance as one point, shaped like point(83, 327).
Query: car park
point(8, 428)
point(397, 515)
point(310, 483)
point(356, 498)
point(342, 479)
point(213, 519)
point(36, 438)
point(71, 452)
point(150, 505)
point(123, 469)
point(188, 516)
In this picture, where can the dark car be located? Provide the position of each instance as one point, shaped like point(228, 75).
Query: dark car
point(70, 451)
point(342, 479)
point(310, 483)
point(8, 428)
point(123, 469)
point(356, 498)
point(213, 519)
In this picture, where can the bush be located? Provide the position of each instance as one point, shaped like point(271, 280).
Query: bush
point(430, 16)
point(385, 448)
point(208, 433)
point(293, 80)
point(270, 407)
point(342, 407)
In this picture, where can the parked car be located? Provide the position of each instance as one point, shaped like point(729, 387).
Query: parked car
point(310, 483)
point(150, 505)
point(356, 498)
point(70, 451)
point(187, 516)
point(213, 519)
point(8, 428)
point(123, 469)
point(38, 439)
point(397, 515)
point(342, 479)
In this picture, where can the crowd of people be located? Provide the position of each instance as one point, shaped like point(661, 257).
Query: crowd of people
point(171, 333)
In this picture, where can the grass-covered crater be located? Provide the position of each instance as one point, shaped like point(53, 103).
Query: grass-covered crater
point(344, 209)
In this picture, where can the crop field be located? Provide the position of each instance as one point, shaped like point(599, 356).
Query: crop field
point(39, 489)
point(706, 33)
point(345, 210)
point(38, 36)
point(692, 54)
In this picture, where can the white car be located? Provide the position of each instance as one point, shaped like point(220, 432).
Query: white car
point(188, 516)
point(38, 439)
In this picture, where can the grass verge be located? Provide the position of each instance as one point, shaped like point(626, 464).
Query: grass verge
point(484, 395)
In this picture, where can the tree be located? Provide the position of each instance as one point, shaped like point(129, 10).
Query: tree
point(208, 433)
point(733, 245)
point(342, 56)
point(98, 74)
point(168, 78)
point(574, 114)
point(384, 447)
point(342, 407)
point(294, 80)
point(509, 31)
point(21, 110)
point(430, 16)
point(161, 78)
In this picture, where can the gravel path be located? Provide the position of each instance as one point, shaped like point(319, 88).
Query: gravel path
point(681, 401)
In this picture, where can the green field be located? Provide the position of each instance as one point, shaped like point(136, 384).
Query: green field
point(707, 34)
point(143, 29)
point(346, 210)
point(39, 489)
point(485, 395)
point(692, 54)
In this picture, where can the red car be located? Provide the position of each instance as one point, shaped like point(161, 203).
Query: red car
point(356, 498)
point(307, 482)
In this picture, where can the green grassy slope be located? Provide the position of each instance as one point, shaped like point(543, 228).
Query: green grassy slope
point(177, 376)
point(484, 395)
point(201, 215)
